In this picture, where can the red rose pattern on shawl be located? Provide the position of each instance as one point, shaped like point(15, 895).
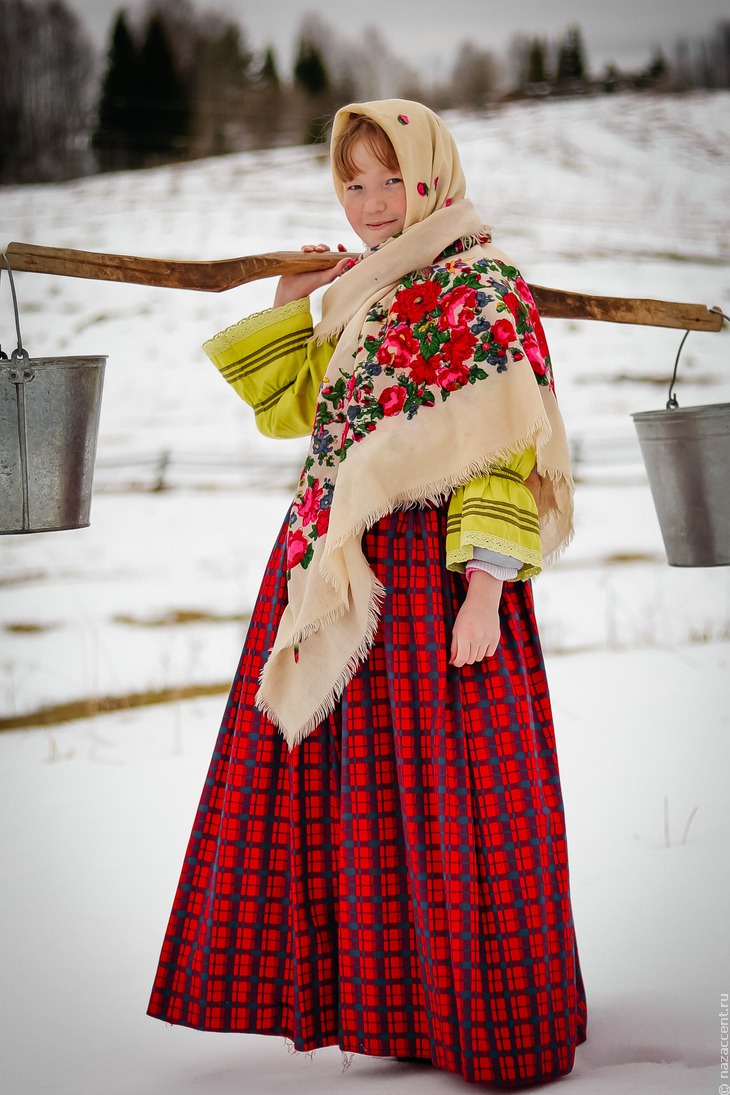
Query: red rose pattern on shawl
point(435, 339)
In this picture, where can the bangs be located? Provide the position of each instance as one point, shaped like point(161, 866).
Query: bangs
point(361, 131)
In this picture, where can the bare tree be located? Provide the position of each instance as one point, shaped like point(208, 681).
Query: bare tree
point(46, 89)
point(474, 77)
point(717, 59)
point(220, 82)
point(266, 103)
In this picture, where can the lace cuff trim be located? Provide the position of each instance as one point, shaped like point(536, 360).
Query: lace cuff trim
point(253, 323)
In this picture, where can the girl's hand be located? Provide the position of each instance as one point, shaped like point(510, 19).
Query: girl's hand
point(295, 286)
point(476, 628)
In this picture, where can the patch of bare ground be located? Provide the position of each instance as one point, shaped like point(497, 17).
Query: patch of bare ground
point(178, 617)
point(90, 707)
point(22, 627)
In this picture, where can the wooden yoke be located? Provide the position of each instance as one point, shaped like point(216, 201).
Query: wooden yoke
point(217, 275)
point(560, 304)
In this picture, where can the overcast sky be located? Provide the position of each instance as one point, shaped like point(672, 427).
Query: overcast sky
point(623, 31)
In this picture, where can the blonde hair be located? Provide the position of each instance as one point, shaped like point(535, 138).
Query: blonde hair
point(361, 130)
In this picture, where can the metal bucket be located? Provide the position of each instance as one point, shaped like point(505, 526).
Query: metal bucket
point(686, 452)
point(49, 423)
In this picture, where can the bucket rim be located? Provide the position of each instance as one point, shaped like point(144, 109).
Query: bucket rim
point(84, 359)
point(710, 410)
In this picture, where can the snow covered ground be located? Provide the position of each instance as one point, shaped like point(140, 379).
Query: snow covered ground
point(624, 195)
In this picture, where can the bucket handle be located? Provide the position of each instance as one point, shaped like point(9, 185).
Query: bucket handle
point(20, 377)
point(19, 354)
point(672, 401)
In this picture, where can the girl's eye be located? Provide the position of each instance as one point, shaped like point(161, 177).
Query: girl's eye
point(354, 186)
point(395, 179)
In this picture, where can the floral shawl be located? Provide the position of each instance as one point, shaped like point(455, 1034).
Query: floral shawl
point(440, 371)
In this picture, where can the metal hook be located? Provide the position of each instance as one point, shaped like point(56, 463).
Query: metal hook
point(3, 355)
point(20, 352)
point(672, 402)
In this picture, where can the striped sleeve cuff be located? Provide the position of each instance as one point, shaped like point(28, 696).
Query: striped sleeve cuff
point(262, 355)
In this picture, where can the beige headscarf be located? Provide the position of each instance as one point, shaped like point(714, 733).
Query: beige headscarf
point(427, 154)
point(388, 435)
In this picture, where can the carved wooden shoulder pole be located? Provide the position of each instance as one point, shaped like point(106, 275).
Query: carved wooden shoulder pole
point(218, 275)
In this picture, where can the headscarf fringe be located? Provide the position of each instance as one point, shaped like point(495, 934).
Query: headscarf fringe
point(332, 334)
point(554, 555)
point(328, 704)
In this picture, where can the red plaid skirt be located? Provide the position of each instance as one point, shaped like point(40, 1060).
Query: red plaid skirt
point(397, 884)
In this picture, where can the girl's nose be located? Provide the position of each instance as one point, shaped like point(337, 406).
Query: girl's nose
point(374, 203)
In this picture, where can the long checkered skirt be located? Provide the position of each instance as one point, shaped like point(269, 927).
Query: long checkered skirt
point(397, 884)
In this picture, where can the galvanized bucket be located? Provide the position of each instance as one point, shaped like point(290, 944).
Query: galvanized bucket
point(686, 452)
point(49, 423)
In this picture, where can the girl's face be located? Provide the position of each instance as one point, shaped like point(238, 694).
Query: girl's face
point(375, 199)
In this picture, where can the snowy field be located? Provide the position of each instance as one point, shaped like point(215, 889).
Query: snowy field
point(622, 196)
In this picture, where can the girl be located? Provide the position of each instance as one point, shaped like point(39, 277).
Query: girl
point(379, 858)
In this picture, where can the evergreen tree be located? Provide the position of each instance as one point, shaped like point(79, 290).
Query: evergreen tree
point(571, 66)
point(537, 62)
point(310, 74)
point(309, 69)
point(269, 73)
point(658, 66)
point(114, 136)
point(722, 50)
point(163, 113)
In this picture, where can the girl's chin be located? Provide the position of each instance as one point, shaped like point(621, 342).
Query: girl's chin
point(374, 239)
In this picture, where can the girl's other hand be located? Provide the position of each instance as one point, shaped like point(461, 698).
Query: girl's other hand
point(476, 631)
point(295, 286)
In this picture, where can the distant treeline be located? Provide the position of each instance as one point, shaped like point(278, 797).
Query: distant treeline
point(179, 84)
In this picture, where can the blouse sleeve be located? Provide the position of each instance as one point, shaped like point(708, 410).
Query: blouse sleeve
point(271, 362)
point(496, 511)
